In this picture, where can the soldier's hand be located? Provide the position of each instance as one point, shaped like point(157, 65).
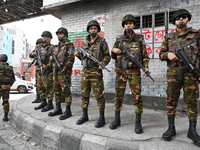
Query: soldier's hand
point(36, 47)
point(44, 66)
point(147, 70)
point(4, 87)
point(33, 53)
point(101, 67)
point(77, 54)
point(172, 57)
point(8, 86)
point(64, 70)
point(116, 51)
point(51, 58)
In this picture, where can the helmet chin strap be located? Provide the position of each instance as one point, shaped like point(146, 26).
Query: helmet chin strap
point(181, 25)
point(62, 38)
point(46, 40)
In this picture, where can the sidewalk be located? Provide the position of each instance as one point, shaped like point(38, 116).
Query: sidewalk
point(66, 135)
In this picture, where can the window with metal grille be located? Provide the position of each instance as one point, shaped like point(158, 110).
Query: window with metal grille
point(147, 21)
point(159, 19)
point(170, 16)
point(137, 25)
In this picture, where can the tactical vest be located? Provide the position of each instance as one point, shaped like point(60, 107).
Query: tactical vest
point(133, 47)
point(95, 50)
point(6, 74)
point(44, 54)
point(188, 43)
point(61, 52)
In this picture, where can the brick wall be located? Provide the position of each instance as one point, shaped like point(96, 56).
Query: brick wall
point(75, 18)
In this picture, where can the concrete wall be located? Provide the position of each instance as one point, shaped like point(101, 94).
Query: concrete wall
point(109, 13)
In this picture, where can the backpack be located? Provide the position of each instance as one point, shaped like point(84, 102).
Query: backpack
point(6, 74)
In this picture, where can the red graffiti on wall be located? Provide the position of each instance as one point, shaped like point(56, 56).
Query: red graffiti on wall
point(157, 49)
point(76, 72)
point(149, 50)
point(147, 34)
point(172, 30)
point(77, 40)
point(159, 34)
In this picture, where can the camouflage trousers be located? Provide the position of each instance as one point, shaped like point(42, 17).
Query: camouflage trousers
point(133, 76)
point(191, 93)
point(92, 78)
point(45, 84)
point(5, 97)
point(36, 81)
point(60, 88)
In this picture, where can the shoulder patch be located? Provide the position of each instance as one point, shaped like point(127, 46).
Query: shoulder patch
point(170, 35)
point(143, 43)
point(70, 49)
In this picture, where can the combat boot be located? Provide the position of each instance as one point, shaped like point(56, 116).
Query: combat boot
point(57, 111)
point(167, 136)
point(66, 114)
point(192, 134)
point(42, 104)
point(48, 107)
point(101, 122)
point(138, 125)
point(62, 99)
point(116, 122)
point(84, 118)
point(5, 118)
point(37, 100)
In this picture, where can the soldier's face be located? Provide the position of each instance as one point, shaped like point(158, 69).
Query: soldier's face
point(129, 25)
point(40, 44)
point(93, 29)
point(46, 39)
point(182, 19)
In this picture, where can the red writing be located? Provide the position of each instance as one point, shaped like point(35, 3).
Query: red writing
point(157, 49)
point(76, 72)
point(149, 50)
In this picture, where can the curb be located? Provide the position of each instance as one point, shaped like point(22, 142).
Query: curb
point(61, 138)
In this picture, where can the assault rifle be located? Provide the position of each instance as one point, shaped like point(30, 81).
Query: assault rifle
point(85, 55)
point(59, 67)
point(35, 60)
point(186, 66)
point(130, 57)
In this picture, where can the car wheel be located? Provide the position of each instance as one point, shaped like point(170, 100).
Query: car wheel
point(22, 89)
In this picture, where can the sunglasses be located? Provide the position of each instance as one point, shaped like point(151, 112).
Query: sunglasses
point(181, 16)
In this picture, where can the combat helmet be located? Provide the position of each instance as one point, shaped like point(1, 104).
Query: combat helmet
point(93, 23)
point(40, 40)
point(181, 12)
point(128, 17)
point(3, 57)
point(47, 33)
point(62, 30)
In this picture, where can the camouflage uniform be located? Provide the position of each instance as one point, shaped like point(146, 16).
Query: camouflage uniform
point(4, 93)
point(92, 76)
point(45, 83)
point(65, 55)
point(189, 41)
point(36, 72)
point(132, 73)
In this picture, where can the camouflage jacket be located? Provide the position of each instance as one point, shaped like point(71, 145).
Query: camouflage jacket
point(6, 75)
point(45, 55)
point(132, 45)
point(189, 42)
point(99, 49)
point(65, 55)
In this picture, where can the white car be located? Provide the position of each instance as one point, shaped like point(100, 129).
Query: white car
point(22, 86)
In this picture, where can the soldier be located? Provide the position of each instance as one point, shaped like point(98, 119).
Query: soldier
point(92, 75)
point(39, 44)
point(7, 78)
point(137, 47)
point(45, 83)
point(189, 42)
point(65, 55)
